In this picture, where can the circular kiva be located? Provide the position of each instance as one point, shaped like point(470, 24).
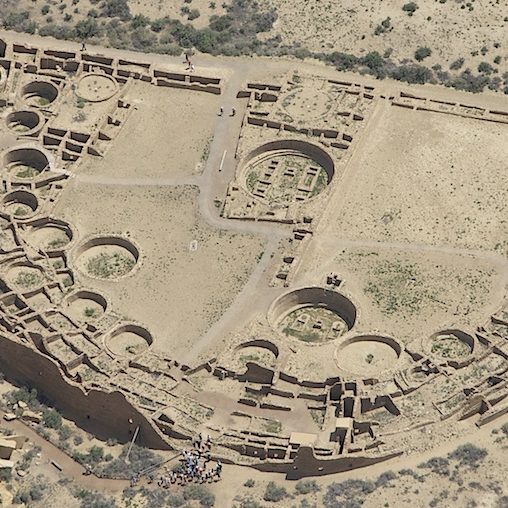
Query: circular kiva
point(25, 163)
point(287, 171)
point(450, 345)
point(259, 351)
point(85, 306)
point(96, 87)
point(128, 340)
point(20, 204)
point(39, 94)
point(49, 235)
point(312, 314)
point(24, 122)
point(107, 257)
point(24, 277)
point(368, 355)
point(311, 102)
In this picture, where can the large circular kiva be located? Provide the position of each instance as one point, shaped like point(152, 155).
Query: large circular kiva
point(20, 204)
point(25, 163)
point(86, 306)
point(39, 93)
point(96, 87)
point(50, 235)
point(107, 257)
point(451, 345)
point(368, 355)
point(23, 122)
point(313, 314)
point(310, 101)
point(288, 171)
point(129, 340)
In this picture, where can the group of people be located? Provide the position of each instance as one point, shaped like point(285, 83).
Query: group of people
point(193, 467)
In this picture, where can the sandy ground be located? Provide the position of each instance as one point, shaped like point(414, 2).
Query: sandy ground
point(195, 296)
point(448, 28)
point(161, 139)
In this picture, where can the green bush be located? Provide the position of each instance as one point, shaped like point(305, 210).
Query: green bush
point(52, 418)
point(457, 64)
point(410, 8)
point(193, 14)
point(412, 74)
point(469, 455)
point(274, 493)
point(307, 486)
point(139, 21)
point(87, 28)
point(422, 53)
point(485, 68)
point(116, 9)
point(199, 493)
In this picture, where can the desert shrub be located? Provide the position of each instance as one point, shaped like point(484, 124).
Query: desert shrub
point(248, 502)
point(350, 493)
point(139, 21)
point(412, 74)
point(5, 474)
point(158, 24)
point(16, 20)
point(193, 14)
point(57, 31)
point(94, 456)
point(249, 483)
point(307, 486)
point(64, 433)
point(142, 38)
point(25, 395)
point(168, 49)
point(91, 499)
point(422, 53)
point(385, 478)
point(274, 493)
point(52, 418)
point(199, 493)
point(342, 61)
point(410, 8)
point(385, 26)
point(497, 59)
point(504, 429)
point(438, 465)
point(373, 60)
point(139, 459)
point(485, 68)
point(469, 82)
point(468, 455)
point(116, 9)
point(87, 28)
point(45, 9)
point(457, 64)
point(502, 502)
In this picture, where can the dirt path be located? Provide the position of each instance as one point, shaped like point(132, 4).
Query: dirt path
point(70, 468)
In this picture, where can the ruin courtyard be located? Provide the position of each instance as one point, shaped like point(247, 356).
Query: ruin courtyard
point(316, 277)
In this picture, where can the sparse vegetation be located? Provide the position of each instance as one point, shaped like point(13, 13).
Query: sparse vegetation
point(274, 493)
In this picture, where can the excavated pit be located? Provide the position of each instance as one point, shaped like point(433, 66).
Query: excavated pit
point(20, 204)
point(368, 355)
point(23, 122)
point(107, 257)
point(312, 314)
point(39, 94)
point(129, 340)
